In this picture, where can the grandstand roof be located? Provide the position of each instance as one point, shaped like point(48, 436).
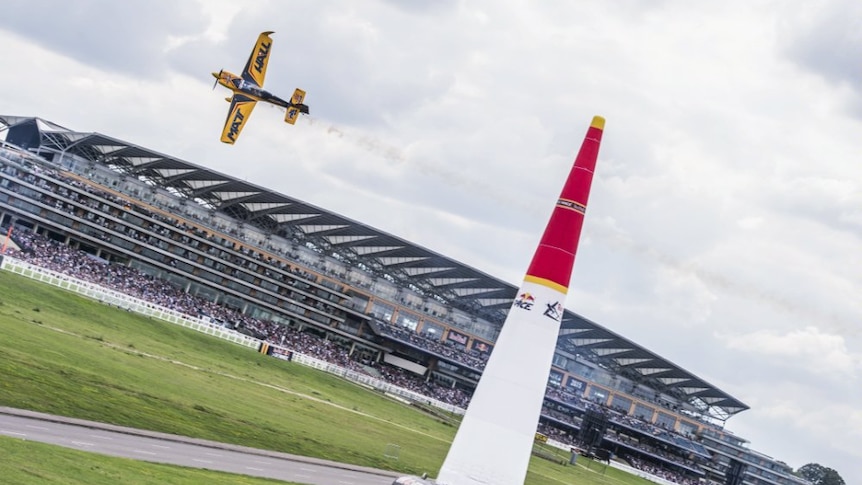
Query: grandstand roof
point(427, 272)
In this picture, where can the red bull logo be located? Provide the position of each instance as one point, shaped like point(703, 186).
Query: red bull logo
point(525, 301)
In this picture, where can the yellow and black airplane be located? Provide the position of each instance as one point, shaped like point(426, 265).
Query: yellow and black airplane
point(248, 90)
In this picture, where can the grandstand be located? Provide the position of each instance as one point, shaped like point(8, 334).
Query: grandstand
point(297, 275)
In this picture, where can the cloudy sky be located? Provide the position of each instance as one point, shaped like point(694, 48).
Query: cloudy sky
point(725, 225)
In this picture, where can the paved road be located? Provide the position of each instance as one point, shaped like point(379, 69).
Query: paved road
point(178, 450)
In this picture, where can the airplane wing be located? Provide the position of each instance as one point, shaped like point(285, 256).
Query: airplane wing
point(255, 68)
point(241, 107)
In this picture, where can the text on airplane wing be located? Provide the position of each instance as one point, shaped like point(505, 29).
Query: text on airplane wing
point(241, 107)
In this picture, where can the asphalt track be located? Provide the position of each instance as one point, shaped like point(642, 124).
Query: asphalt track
point(179, 450)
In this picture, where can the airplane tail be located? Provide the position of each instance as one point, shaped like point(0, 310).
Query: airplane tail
point(298, 96)
point(296, 107)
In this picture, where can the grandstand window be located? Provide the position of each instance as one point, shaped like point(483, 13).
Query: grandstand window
point(407, 320)
point(150, 254)
point(293, 308)
point(26, 192)
point(26, 206)
point(176, 280)
point(239, 287)
point(621, 403)
point(183, 266)
point(300, 285)
point(216, 278)
point(245, 276)
point(665, 420)
point(233, 302)
point(412, 300)
point(479, 328)
point(384, 289)
point(382, 311)
point(256, 312)
point(644, 412)
point(332, 285)
point(134, 220)
point(560, 361)
point(203, 291)
point(687, 429)
point(432, 330)
point(599, 395)
point(268, 286)
point(121, 242)
point(318, 317)
point(349, 327)
point(360, 302)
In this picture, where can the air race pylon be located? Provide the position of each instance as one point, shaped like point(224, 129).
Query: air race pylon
point(495, 439)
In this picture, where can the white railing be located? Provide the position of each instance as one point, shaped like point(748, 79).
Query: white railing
point(642, 474)
point(373, 382)
point(137, 305)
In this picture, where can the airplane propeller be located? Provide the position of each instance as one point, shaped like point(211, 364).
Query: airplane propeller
point(216, 81)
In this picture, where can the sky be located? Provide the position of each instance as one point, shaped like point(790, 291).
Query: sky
point(724, 230)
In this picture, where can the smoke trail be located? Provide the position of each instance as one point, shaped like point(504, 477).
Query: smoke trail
point(601, 232)
point(396, 155)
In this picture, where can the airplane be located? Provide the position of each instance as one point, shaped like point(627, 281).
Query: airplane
point(248, 90)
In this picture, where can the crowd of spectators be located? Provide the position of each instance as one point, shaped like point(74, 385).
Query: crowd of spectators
point(658, 431)
point(100, 213)
point(623, 420)
point(660, 472)
point(571, 438)
point(630, 431)
point(433, 345)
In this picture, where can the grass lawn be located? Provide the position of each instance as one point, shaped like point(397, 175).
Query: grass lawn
point(26, 462)
point(66, 355)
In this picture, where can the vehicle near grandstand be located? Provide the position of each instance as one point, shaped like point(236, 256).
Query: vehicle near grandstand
point(248, 90)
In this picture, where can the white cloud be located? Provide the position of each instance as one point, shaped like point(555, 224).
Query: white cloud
point(808, 349)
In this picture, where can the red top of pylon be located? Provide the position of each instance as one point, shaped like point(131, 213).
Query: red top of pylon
point(555, 257)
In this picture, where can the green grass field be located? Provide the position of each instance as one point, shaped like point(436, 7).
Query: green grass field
point(27, 462)
point(66, 355)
